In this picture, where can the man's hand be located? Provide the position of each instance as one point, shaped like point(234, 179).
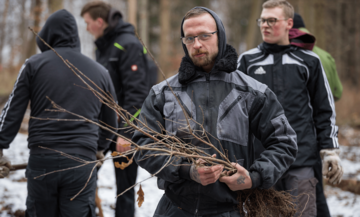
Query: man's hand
point(122, 145)
point(5, 166)
point(238, 181)
point(100, 156)
point(332, 168)
point(203, 174)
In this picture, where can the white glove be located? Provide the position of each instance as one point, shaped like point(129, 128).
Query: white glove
point(100, 156)
point(332, 168)
point(5, 166)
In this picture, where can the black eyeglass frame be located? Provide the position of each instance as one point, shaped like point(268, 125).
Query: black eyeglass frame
point(260, 21)
point(181, 38)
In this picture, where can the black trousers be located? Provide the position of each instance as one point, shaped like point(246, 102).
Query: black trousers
point(321, 204)
point(300, 182)
point(49, 196)
point(166, 208)
point(125, 204)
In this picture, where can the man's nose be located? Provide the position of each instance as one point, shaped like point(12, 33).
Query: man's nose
point(197, 43)
point(264, 24)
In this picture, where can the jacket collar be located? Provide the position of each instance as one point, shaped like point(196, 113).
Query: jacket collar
point(188, 71)
point(120, 27)
point(274, 48)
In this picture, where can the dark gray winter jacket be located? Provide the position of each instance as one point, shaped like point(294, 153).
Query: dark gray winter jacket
point(233, 108)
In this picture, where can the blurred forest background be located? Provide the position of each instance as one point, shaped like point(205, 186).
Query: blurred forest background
point(334, 24)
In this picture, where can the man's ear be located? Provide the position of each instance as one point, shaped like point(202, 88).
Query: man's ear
point(290, 23)
point(100, 21)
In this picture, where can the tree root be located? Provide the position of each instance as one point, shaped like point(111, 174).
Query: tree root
point(266, 203)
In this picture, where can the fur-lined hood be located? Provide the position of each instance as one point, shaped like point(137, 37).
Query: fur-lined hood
point(225, 60)
point(188, 71)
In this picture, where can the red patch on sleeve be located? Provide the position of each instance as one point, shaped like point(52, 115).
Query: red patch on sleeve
point(134, 68)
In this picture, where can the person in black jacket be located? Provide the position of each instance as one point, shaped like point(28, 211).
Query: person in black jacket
point(119, 50)
point(233, 109)
point(298, 79)
point(45, 75)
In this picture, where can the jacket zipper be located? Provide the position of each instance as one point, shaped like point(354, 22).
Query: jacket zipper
point(207, 102)
point(183, 105)
point(285, 128)
point(198, 202)
point(230, 107)
point(206, 124)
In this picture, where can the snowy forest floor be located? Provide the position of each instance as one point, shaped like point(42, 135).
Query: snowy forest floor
point(343, 200)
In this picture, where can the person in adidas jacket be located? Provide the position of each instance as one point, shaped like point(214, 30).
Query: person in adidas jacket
point(234, 109)
point(46, 75)
point(297, 78)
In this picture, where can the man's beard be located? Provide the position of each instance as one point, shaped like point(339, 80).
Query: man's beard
point(203, 61)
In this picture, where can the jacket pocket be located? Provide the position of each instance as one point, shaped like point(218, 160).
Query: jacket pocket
point(283, 130)
point(306, 200)
point(175, 119)
point(36, 187)
point(163, 207)
point(233, 119)
point(92, 207)
point(30, 207)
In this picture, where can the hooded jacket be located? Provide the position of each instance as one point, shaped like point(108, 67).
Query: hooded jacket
point(234, 109)
point(298, 79)
point(45, 75)
point(329, 65)
point(122, 54)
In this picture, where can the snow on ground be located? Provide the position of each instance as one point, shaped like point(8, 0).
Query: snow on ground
point(107, 191)
point(13, 189)
point(13, 193)
point(342, 203)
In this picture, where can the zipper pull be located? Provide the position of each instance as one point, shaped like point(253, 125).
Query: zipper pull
point(207, 75)
point(196, 211)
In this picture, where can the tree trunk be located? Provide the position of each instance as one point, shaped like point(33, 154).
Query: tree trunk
point(165, 32)
point(24, 32)
point(3, 28)
point(132, 12)
point(36, 12)
point(253, 29)
point(320, 33)
point(143, 21)
point(55, 5)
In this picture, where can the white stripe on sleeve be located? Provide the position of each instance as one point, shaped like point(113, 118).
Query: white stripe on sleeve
point(8, 103)
point(334, 128)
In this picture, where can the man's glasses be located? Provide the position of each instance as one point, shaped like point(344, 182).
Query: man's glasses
point(269, 21)
point(202, 37)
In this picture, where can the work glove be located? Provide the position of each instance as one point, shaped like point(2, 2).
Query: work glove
point(332, 168)
point(5, 166)
point(100, 156)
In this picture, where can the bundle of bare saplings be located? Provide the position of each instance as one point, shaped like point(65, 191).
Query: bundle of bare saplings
point(252, 202)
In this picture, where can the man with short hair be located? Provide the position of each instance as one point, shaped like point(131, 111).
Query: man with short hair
point(46, 75)
point(233, 109)
point(119, 50)
point(297, 78)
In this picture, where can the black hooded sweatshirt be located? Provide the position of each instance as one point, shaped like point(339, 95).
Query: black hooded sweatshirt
point(45, 75)
point(234, 109)
point(120, 51)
